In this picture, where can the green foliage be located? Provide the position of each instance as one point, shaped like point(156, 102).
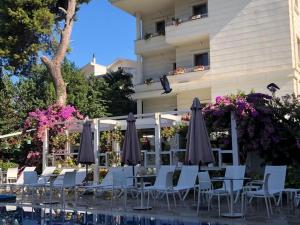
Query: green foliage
point(27, 28)
point(119, 89)
point(5, 165)
point(9, 118)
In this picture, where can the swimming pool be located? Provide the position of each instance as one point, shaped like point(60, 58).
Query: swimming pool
point(27, 215)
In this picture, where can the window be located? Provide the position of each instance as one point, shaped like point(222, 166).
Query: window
point(201, 59)
point(160, 27)
point(200, 9)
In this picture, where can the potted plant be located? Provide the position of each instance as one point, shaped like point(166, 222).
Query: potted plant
point(176, 21)
point(147, 36)
point(148, 81)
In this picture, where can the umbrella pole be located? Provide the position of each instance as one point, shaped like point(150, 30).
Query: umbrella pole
point(87, 177)
point(133, 175)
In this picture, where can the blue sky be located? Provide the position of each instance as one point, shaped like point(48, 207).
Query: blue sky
point(104, 30)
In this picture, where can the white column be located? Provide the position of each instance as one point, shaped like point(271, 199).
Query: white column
point(139, 78)
point(96, 144)
point(45, 149)
point(234, 140)
point(157, 141)
point(138, 18)
point(139, 106)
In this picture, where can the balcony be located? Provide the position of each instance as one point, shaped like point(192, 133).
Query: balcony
point(143, 6)
point(186, 30)
point(152, 44)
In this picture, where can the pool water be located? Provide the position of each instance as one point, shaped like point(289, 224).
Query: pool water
point(12, 215)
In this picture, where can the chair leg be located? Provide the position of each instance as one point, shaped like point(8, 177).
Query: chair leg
point(219, 205)
point(270, 206)
point(174, 198)
point(267, 207)
point(198, 202)
point(168, 202)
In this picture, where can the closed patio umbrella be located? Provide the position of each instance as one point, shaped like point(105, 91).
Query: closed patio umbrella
point(198, 148)
point(86, 151)
point(131, 148)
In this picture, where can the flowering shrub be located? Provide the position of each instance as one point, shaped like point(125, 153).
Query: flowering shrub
point(48, 119)
point(261, 124)
point(41, 120)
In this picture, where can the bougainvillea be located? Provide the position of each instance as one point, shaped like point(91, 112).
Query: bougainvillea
point(49, 119)
point(53, 118)
point(260, 125)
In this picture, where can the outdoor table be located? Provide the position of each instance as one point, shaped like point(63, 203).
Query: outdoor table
point(231, 213)
point(290, 195)
point(142, 206)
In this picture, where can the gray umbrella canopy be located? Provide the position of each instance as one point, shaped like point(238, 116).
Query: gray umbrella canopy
point(131, 148)
point(86, 151)
point(198, 144)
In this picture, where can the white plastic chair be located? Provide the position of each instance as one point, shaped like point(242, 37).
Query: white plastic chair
point(204, 186)
point(60, 178)
point(80, 176)
point(12, 175)
point(69, 183)
point(120, 182)
point(44, 178)
point(272, 186)
point(163, 184)
point(236, 172)
point(29, 182)
point(20, 180)
point(187, 180)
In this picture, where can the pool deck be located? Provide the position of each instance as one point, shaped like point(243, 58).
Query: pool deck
point(256, 212)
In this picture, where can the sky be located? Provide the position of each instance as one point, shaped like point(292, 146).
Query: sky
point(103, 30)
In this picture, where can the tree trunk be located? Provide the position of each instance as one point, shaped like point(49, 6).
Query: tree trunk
point(54, 65)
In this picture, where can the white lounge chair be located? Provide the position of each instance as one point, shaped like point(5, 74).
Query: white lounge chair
point(107, 182)
point(20, 180)
point(204, 185)
point(45, 176)
point(236, 172)
point(60, 178)
point(187, 180)
point(271, 186)
point(12, 175)
point(163, 184)
point(68, 183)
point(30, 182)
point(80, 176)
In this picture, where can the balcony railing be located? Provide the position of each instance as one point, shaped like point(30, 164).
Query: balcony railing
point(148, 36)
point(178, 71)
point(183, 70)
point(178, 21)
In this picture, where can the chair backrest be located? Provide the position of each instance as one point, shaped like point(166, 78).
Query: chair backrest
point(49, 170)
point(162, 175)
point(236, 172)
point(12, 174)
point(108, 179)
point(60, 178)
point(21, 177)
point(188, 176)
point(204, 181)
point(119, 178)
point(128, 173)
point(30, 177)
point(276, 180)
point(80, 176)
point(69, 179)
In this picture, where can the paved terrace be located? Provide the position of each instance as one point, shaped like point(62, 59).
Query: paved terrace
point(256, 214)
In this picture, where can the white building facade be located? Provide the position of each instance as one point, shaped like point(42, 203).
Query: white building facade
point(213, 47)
point(127, 65)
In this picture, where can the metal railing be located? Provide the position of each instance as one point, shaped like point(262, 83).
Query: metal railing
point(178, 21)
